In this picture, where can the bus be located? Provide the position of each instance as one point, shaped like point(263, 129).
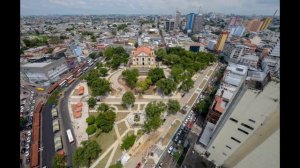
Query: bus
point(86, 68)
point(68, 78)
point(70, 136)
point(78, 74)
point(62, 83)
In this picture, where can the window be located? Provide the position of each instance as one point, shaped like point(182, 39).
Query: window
point(247, 126)
point(148, 59)
point(213, 147)
point(224, 154)
point(228, 147)
point(251, 120)
point(232, 119)
point(243, 131)
point(235, 139)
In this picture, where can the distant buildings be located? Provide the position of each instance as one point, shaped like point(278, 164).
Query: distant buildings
point(211, 44)
point(254, 25)
point(221, 41)
point(177, 20)
point(45, 71)
point(169, 25)
point(266, 22)
point(237, 31)
point(194, 23)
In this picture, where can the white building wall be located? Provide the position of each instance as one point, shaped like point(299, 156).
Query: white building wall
point(252, 106)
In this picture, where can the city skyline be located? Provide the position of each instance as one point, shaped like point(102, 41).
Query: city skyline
point(103, 7)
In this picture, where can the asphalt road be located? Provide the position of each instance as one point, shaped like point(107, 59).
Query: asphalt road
point(65, 123)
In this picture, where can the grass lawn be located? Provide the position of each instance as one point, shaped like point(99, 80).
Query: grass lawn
point(122, 127)
point(171, 131)
point(105, 140)
point(120, 107)
point(121, 115)
point(135, 107)
point(103, 162)
point(117, 155)
point(130, 132)
point(138, 136)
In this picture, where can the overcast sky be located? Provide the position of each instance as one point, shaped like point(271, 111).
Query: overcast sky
point(87, 7)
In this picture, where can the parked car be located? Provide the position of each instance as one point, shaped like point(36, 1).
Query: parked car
point(170, 149)
point(27, 146)
point(29, 133)
point(27, 153)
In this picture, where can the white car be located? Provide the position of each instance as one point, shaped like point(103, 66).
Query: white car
point(170, 149)
point(28, 139)
point(27, 146)
point(31, 114)
point(28, 133)
point(32, 107)
point(33, 101)
point(27, 153)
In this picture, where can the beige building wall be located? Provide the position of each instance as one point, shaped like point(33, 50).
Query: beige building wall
point(250, 116)
point(221, 41)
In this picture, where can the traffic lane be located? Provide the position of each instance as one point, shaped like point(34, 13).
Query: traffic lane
point(67, 123)
point(47, 136)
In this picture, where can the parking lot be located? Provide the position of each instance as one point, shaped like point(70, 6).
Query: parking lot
point(27, 106)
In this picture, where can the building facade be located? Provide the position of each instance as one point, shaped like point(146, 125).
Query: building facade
point(169, 25)
point(254, 25)
point(237, 31)
point(143, 57)
point(45, 72)
point(190, 21)
point(177, 20)
point(221, 41)
point(211, 44)
point(266, 22)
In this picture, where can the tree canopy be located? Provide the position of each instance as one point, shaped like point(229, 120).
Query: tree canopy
point(156, 74)
point(117, 165)
point(153, 115)
point(91, 102)
point(128, 98)
point(167, 86)
point(173, 106)
point(177, 73)
point(116, 56)
point(103, 107)
point(90, 120)
point(83, 155)
point(130, 76)
point(93, 55)
point(97, 85)
point(105, 121)
point(59, 161)
point(187, 84)
point(128, 142)
point(144, 84)
point(91, 129)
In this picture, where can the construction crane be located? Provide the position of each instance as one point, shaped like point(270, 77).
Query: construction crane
point(275, 13)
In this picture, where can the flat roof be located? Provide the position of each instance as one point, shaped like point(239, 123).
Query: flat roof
point(37, 65)
point(205, 137)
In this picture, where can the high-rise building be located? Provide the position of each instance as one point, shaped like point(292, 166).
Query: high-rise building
point(221, 41)
point(169, 25)
point(254, 25)
point(237, 31)
point(190, 21)
point(177, 20)
point(194, 23)
point(266, 22)
point(249, 125)
point(198, 24)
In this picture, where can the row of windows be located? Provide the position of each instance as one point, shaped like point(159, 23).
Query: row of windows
point(142, 59)
point(247, 126)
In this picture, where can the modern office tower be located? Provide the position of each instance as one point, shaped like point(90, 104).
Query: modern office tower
point(254, 25)
point(266, 22)
point(169, 25)
point(221, 41)
point(190, 21)
point(177, 20)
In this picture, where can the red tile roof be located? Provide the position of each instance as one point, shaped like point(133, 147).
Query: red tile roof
point(218, 105)
point(143, 49)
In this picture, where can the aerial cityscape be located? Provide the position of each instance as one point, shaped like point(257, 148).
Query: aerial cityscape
point(154, 84)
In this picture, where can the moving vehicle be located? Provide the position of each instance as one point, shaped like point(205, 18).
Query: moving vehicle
point(40, 89)
point(70, 136)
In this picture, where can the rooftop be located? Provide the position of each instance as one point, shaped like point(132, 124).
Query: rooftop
point(37, 65)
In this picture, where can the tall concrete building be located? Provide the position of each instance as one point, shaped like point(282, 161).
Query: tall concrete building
point(177, 20)
point(266, 22)
point(237, 31)
point(251, 124)
point(221, 41)
point(198, 24)
point(169, 25)
point(254, 25)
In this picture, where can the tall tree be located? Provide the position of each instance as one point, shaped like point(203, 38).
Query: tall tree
point(105, 121)
point(59, 161)
point(177, 73)
point(153, 115)
point(91, 102)
point(187, 84)
point(167, 86)
point(130, 76)
point(103, 107)
point(128, 98)
point(156, 74)
point(173, 106)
